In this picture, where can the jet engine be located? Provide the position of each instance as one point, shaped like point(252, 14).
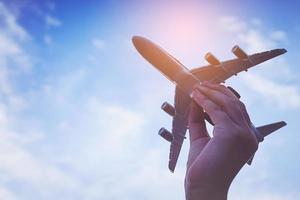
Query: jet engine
point(165, 134)
point(168, 108)
point(238, 52)
point(211, 59)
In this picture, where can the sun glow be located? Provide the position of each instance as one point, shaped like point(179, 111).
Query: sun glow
point(182, 25)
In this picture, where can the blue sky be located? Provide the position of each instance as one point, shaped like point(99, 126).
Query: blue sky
point(80, 108)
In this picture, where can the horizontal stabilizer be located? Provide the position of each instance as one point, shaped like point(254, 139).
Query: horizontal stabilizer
point(267, 129)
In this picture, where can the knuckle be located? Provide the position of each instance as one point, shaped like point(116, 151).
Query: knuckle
point(245, 137)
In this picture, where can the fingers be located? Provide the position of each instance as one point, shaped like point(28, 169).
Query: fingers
point(229, 93)
point(197, 128)
point(225, 99)
point(220, 88)
point(215, 112)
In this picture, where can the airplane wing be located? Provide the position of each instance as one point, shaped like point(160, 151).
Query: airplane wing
point(219, 72)
point(179, 125)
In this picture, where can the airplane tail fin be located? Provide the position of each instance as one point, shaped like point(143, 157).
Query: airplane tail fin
point(267, 130)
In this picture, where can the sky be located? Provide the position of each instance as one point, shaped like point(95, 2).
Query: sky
point(80, 108)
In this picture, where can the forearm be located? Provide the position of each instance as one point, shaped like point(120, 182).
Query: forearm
point(205, 192)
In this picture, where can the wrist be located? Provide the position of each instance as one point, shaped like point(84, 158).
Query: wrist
point(199, 191)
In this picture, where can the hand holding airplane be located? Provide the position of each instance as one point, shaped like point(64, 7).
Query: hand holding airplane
point(213, 162)
point(185, 80)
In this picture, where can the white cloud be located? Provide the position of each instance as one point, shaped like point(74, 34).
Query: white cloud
point(284, 95)
point(107, 148)
point(233, 24)
point(10, 21)
point(278, 35)
point(252, 35)
point(101, 148)
point(19, 165)
point(12, 35)
point(52, 21)
point(13, 58)
point(7, 194)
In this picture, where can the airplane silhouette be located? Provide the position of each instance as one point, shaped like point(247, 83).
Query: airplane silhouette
point(185, 79)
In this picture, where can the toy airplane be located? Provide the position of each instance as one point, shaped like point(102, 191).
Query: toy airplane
point(185, 79)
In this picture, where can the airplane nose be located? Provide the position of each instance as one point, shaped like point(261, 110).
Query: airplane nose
point(136, 40)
